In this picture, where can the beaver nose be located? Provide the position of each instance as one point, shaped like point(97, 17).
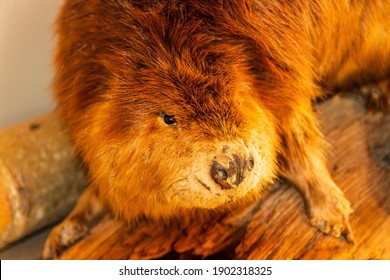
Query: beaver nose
point(232, 175)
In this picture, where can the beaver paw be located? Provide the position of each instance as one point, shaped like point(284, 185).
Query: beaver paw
point(62, 237)
point(332, 217)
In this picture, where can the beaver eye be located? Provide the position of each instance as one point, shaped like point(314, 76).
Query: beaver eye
point(169, 119)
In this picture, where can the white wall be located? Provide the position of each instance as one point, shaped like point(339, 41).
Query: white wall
point(26, 45)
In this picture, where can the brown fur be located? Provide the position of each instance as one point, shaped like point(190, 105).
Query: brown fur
point(238, 75)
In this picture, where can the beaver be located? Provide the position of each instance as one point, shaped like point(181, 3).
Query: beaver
point(178, 108)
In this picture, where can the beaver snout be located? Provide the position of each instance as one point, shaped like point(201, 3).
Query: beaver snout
point(233, 172)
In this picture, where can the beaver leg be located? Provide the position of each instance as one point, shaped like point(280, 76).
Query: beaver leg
point(306, 168)
point(88, 211)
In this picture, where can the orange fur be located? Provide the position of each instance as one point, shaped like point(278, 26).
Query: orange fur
point(239, 76)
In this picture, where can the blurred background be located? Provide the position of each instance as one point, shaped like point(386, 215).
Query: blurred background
point(26, 47)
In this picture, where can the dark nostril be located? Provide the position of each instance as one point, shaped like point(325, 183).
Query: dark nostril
point(234, 174)
point(220, 175)
point(219, 172)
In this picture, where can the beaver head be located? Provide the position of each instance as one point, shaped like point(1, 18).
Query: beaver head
point(165, 114)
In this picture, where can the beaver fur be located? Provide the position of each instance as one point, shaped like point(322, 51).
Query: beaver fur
point(181, 107)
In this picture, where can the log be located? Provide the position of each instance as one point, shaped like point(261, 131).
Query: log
point(277, 227)
point(40, 179)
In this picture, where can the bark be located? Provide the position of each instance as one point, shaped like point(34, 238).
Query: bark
point(40, 178)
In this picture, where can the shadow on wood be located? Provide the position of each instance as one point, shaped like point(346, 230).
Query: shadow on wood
point(277, 227)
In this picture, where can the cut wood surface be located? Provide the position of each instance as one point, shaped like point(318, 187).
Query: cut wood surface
point(277, 227)
point(40, 180)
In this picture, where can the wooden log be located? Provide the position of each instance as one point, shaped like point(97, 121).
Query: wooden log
point(40, 180)
point(277, 227)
